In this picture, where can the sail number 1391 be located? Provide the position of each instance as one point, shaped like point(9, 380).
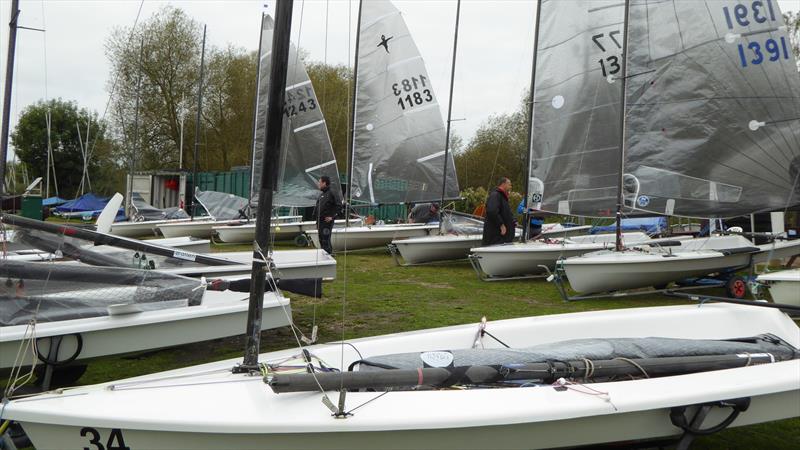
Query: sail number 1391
point(412, 92)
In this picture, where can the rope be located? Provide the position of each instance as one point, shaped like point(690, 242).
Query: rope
point(634, 364)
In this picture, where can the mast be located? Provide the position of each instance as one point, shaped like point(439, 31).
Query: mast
point(353, 115)
point(526, 214)
point(624, 77)
point(129, 199)
point(197, 125)
point(12, 45)
point(255, 111)
point(449, 113)
point(269, 172)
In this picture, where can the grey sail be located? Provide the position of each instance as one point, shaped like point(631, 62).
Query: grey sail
point(307, 153)
point(577, 97)
point(713, 115)
point(399, 137)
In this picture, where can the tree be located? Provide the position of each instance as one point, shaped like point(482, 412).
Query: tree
point(30, 142)
point(229, 99)
point(168, 44)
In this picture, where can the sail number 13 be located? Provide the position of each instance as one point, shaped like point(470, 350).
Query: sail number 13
point(412, 91)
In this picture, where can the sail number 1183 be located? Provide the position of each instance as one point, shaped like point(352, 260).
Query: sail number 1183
point(412, 91)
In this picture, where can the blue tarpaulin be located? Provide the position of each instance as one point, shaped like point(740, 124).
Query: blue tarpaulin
point(86, 202)
point(53, 201)
point(649, 225)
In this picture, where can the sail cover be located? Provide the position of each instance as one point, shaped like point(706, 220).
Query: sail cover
point(399, 137)
point(713, 109)
point(146, 211)
point(221, 205)
point(307, 153)
point(577, 99)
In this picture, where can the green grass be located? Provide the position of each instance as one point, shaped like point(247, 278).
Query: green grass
point(377, 297)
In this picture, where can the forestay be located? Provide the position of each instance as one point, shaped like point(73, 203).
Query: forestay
point(713, 109)
point(577, 96)
point(399, 134)
point(307, 153)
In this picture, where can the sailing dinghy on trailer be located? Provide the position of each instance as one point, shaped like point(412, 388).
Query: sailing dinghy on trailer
point(146, 218)
point(507, 396)
point(398, 133)
point(725, 123)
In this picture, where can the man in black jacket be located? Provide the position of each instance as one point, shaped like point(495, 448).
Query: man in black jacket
point(499, 225)
point(325, 213)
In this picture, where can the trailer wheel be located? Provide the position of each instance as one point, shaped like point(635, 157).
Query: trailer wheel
point(301, 241)
point(736, 287)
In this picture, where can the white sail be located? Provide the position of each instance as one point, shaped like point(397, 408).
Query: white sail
point(399, 138)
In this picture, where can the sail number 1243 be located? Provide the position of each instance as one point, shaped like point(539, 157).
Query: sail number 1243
point(412, 92)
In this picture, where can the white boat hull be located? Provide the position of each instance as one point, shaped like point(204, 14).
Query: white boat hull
point(784, 286)
point(616, 271)
point(199, 228)
point(436, 248)
point(140, 229)
point(221, 314)
point(172, 409)
point(521, 259)
point(246, 233)
point(358, 238)
point(289, 264)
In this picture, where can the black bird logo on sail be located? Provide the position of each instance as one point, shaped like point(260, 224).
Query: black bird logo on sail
point(385, 42)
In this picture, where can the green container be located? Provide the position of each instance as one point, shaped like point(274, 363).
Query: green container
point(32, 207)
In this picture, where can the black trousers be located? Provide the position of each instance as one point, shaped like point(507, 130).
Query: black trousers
point(324, 229)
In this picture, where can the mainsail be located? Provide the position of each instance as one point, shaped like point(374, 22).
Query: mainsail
point(399, 135)
point(577, 97)
point(713, 109)
point(307, 153)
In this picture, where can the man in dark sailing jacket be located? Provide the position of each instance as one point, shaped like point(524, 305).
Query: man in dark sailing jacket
point(325, 213)
point(499, 225)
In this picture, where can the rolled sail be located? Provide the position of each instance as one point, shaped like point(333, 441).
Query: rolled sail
point(307, 153)
point(399, 137)
point(577, 98)
point(713, 109)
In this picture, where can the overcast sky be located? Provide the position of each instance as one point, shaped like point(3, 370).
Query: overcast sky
point(492, 69)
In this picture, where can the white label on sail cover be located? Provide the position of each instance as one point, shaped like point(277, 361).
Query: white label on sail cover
point(437, 359)
point(670, 207)
point(183, 255)
point(558, 101)
point(563, 207)
point(370, 127)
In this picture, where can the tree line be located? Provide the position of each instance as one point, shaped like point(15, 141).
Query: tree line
point(157, 66)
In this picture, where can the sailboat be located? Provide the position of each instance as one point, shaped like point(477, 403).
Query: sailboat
point(724, 119)
point(309, 153)
point(569, 380)
point(398, 133)
point(146, 218)
point(84, 312)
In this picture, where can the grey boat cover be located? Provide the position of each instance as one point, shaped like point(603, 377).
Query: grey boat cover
point(222, 206)
point(713, 109)
point(459, 224)
point(399, 135)
point(307, 153)
point(594, 349)
point(145, 211)
point(577, 98)
point(48, 292)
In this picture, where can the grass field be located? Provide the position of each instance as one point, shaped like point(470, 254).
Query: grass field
point(377, 297)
